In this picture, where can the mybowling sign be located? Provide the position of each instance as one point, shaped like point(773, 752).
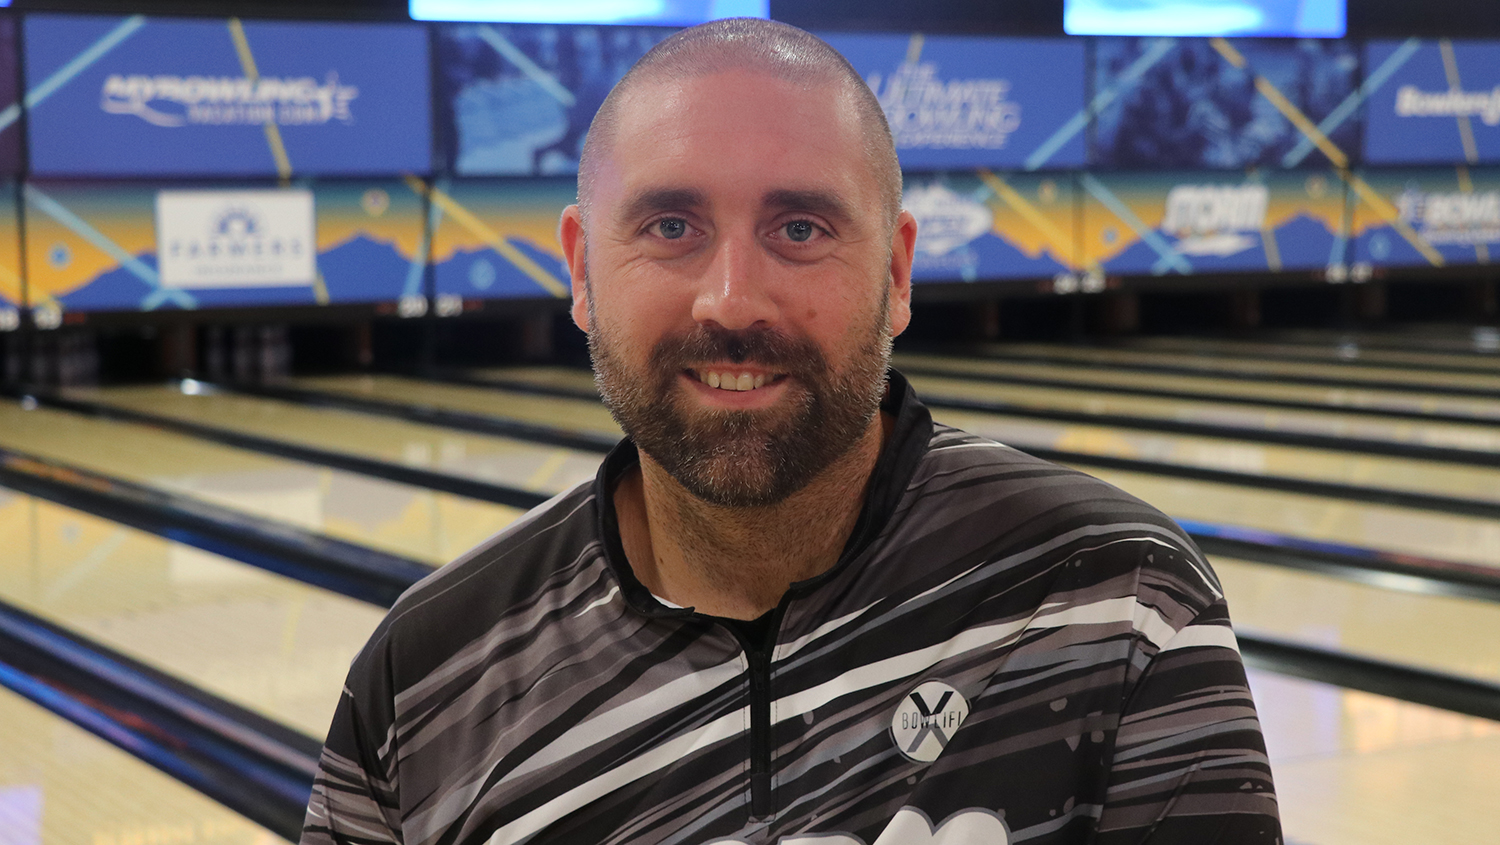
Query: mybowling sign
point(962, 102)
point(135, 96)
point(1432, 102)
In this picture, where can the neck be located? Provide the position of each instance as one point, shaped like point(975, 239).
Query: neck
point(738, 562)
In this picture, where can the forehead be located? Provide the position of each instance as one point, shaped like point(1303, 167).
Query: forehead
point(736, 135)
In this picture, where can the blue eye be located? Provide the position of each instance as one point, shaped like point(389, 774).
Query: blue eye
point(799, 230)
point(671, 228)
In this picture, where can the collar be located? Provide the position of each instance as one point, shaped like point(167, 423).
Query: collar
point(899, 456)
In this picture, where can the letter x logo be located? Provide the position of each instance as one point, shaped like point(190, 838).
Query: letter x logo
point(929, 720)
point(924, 719)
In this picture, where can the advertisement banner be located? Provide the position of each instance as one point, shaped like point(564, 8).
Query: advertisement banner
point(1432, 102)
point(235, 239)
point(517, 99)
point(497, 239)
point(1206, 222)
point(1426, 217)
point(142, 247)
point(956, 102)
point(12, 291)
point(136, 96)
point(984, 226)
point(1170, 103)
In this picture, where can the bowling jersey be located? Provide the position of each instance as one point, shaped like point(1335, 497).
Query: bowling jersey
point(1006, 651)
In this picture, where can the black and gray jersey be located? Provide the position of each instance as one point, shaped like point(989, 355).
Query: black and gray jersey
point(1006, 651)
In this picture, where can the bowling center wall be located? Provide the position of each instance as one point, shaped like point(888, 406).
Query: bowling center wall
point(161, 169)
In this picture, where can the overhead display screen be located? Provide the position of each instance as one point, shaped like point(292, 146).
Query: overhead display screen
point(658, 12)
point(518, 100)
point(1173, 103)
point(137, 96)
point(10, 105)
point(1284, 18)
point(145, 247)
point(1427, 217)
point(1432, 102)
point(988, 226)
point(1196, 222)
point(958, 102)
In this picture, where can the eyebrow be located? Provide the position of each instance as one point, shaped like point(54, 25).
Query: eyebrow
point(655, 200)
point(822, 203)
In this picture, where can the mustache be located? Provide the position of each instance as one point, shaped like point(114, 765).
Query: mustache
point(765, 347)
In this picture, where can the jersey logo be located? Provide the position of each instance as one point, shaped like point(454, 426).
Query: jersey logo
point(925, 720)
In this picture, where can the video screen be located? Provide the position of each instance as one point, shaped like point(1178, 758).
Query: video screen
point(649, 12)
point(1276, 18)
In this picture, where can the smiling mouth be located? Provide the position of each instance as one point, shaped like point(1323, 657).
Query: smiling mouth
point(735, 381)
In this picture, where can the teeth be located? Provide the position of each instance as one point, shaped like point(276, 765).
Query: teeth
point(730, 381)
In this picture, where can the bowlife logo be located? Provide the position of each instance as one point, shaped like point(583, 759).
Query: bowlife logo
point(235, 239)
point(173, 101)
point(925, 111)
point(1218, 220)
point(1458, 218)
point(1412, 101)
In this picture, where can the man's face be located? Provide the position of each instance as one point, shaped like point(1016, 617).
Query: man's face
point(740, 283)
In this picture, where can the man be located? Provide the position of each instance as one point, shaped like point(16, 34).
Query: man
point(790, 609)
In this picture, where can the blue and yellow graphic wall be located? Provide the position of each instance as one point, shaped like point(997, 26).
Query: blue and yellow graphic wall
point(430, 162)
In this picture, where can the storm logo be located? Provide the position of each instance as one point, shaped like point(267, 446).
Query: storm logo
point(1215, 219)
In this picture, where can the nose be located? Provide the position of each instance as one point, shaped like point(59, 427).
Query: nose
point(737, 289)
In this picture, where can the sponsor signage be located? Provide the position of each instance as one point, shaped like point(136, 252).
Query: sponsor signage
point(987, 226)
point(139, 96)
point(517, 99)
point(497, 239)
point(135, 246)
point(235, 239)
point(1433, 102)
point(12, 293)
point(1184, 223)
point(1427, 217)
point(963, 102)
point(1171, 103)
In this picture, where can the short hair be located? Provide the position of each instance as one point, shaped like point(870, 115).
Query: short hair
point(754, 44)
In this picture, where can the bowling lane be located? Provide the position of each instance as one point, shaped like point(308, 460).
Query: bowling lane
point(1350, 350)
point(1210, 387)
point(529, 466)
point(61, 785)
point(570, 415)
point(1460, 636)
point(1124, 356)
point(422, 524)
point(1353, 768)
point(1404, 530)
point(1472, 436)
point(267, 643)
point(1480, 483)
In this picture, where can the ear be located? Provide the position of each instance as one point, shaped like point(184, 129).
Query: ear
point(570, 237)
point(903, 251)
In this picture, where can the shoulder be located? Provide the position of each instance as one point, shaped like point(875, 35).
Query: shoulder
point(509, 575)
point(1085, 538)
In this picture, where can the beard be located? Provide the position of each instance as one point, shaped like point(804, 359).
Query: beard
point(745, 458)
